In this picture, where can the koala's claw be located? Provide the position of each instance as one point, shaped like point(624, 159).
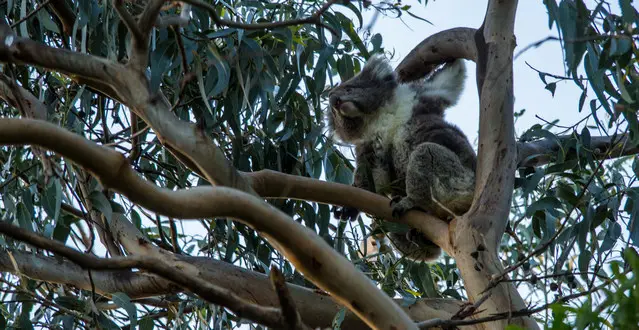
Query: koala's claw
point(395, 200)
point(345, 213)
point(401, 205)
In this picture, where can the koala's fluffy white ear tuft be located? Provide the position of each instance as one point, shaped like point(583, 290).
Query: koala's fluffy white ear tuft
point(378, 67)
point(448, 83)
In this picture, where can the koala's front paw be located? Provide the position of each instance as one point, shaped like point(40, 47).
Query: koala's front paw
point(395, 200)
point(402, 205)
point(345, 213)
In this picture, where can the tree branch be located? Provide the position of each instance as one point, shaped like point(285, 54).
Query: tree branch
point(65, 14)
point(24, 100)
point(54, 270)
point(291, 317)
point(272, 184)
point(497, 148)
point(129, 22)
point(313, 19)
point(140, 44)
point(149, 16)
point(440, 47)
point(29, 15)
point(308, 252)
point(537, 153)
point(183, 139)
point(97, 72)
point(217, 295)
point(315, 307)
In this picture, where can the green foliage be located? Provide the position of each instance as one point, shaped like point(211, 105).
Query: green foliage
point(260, 95)
point(615, 306)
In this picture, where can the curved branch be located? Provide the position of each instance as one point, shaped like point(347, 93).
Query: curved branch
point(97, 72)
point(129, 22)
point(441, 47)
point(65, 14)
point(307, 251)
point(272, 184)
point(497, 148)
point(149, 15)
point(22, 99)
point(217, 295)
point(183, 139)
point(316, 309)
point(54, 270)
point(14, 95)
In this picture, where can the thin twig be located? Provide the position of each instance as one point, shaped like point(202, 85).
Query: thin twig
point(313, 19)
point(45, 301)
point(468, 310)
point(535, 45)
point(501, 316)
point(292, 318)
point(135, 138)
point(138, 133)
point(128, 20)
point(35, 11)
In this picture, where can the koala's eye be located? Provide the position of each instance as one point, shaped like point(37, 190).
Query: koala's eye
point(388, 78)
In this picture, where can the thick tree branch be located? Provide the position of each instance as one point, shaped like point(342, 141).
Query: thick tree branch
point(97, 72)
point(54, 270)
point(497, 148)
point(478, 233)
point(149, 16)
point(308, 252)
point(441, 47)
point(272, 184)
point(183, 139)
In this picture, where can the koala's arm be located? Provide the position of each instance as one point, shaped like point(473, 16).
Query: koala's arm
point(362, 178)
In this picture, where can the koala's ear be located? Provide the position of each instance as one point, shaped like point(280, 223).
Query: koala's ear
point(447, 83)
point(377, 67)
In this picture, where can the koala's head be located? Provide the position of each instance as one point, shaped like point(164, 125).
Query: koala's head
point(357, 101)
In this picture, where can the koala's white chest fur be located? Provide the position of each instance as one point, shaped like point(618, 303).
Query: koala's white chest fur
point(388, 131)
point(392, 117)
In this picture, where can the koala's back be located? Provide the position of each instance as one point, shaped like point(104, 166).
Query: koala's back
point(433, 128)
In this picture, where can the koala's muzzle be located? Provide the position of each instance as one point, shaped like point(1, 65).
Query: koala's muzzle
point(343, 108)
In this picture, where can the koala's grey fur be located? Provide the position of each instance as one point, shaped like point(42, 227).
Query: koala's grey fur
point(400, 135)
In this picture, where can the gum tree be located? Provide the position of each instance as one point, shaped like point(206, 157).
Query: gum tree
point(123, 120)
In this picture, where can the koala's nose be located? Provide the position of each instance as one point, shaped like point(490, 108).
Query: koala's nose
point(334, 100)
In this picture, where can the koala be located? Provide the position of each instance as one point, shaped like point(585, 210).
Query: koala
point(404, 148)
